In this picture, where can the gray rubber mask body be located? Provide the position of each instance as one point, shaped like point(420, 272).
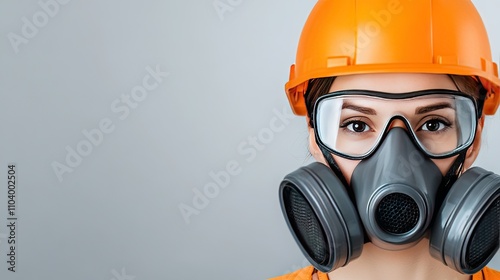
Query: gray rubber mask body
point(395, 192)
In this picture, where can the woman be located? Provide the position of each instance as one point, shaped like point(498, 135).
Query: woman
point(395, 93)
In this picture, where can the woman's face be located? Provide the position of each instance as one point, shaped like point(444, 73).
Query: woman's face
point(393, 83)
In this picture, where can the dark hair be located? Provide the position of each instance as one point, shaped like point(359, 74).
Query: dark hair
point(321, 86)
point(315, 89)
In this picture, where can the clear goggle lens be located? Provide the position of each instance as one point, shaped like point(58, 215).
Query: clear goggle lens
point(352, 123)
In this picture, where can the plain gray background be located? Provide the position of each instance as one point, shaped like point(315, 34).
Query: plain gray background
point(217, 107)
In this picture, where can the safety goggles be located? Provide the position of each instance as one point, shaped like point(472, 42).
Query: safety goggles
point(352, 123)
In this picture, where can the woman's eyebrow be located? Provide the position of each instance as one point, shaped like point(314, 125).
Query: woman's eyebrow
point(364, 110)
point(434, 107)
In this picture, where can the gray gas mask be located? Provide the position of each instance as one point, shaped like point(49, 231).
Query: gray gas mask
point(395, 199)
point(395, 192)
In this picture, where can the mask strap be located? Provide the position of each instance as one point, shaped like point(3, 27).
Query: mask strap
point(450, 178)
point(336, 169)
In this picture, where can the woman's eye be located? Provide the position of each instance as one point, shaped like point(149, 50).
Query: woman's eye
point(434, 125)
point(357, 126)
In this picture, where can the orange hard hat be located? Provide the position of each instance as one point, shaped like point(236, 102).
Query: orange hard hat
point(343, 37)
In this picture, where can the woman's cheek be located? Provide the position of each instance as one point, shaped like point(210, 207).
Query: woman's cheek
point(346, 166)
point(444, 164)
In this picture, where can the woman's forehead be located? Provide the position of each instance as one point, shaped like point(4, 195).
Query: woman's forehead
point(393, 82)
point(382, 106)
